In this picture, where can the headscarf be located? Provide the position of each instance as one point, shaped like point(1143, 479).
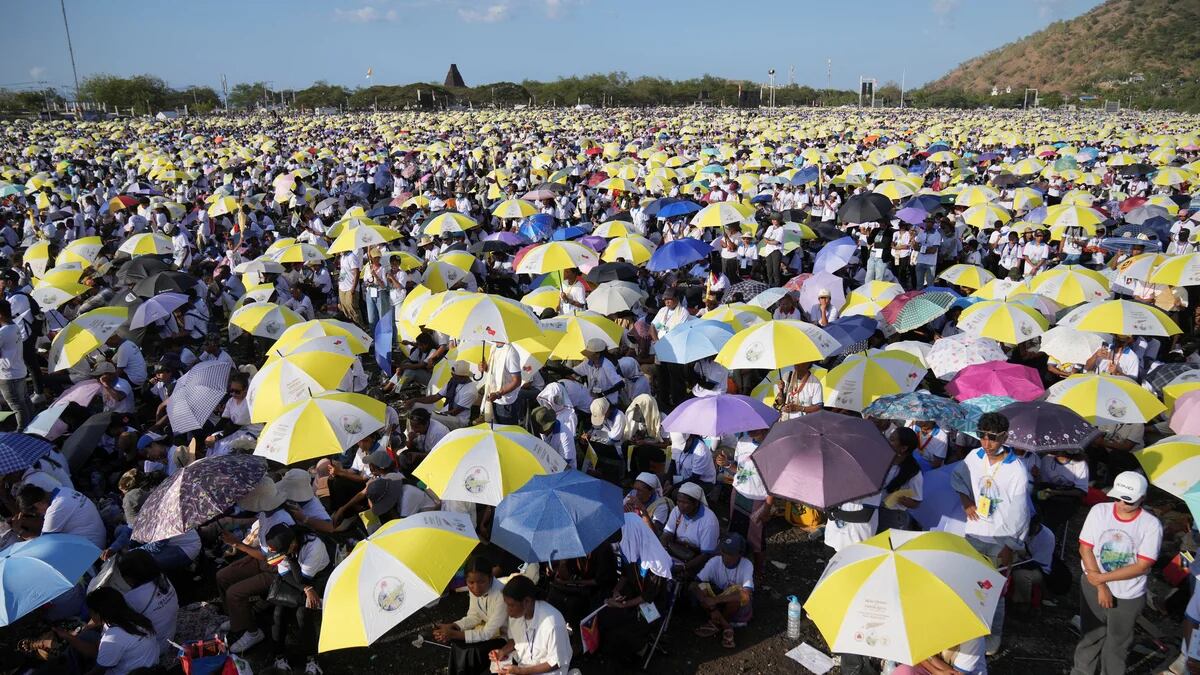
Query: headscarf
point(694, 491)
point(643, 413)
point(555, 397)
point(651, 482)
point(640, 546)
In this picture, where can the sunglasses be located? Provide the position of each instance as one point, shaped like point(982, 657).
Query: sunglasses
point(993, 435)
point(236, 392)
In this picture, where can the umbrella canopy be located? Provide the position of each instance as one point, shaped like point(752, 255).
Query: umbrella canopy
point(1069, 346)
point(264, 319)
point(615, 271)
point(612, 297)
point(1121, 317)
point(556, 256)
point(1007, 322)
point(1041, 426)
point(169, 281)
point(776, 344)
point(21, 451)
point(483, 316)
point(879, 597)
point(862, 378)
point(323, 425)
point(558, 516)
point(34, 572)
point(83, 335)
point(82, 442)
point(720, 415)
point(968, 276)
point(996, 378)
point(921, 406)
point(1173, 463)
point(577, 330)
point(692, 340)
point(952, 354)
point(1106, 399)
point(812, 289)
point(911, 310)
point(196, 494)
point(402, 567)
point(1167, 374)
point(852, 332)
point(678, 253)
point(197, 394)
point(484, 464)
point(293, 378)
point(363, 236)
point(156, 308)
point(1071, 285)
point(356, 338)
point(1185, 418)
point(823, 459)
point(835, 255)
point(147, 243)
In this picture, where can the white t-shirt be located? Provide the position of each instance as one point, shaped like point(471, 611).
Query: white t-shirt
point(841, 534)
point(129, 359)
point(927, 238)
point(160, 605)
point(541, 639)
point(71, 512)
point(1072, 474)
point(506, 363)
point(1006, 487)
point(12, 362)
point(721, 577)
point(930, 447)
point(746, 481)
point(121, 652)
point(701, 530)
point(348, 269)
point(1116, 543)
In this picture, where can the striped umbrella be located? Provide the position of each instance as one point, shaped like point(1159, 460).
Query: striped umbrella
point(20, 451)
point(1173, 463)
point(1106, 399)
point(914, 309)
point(197, 394)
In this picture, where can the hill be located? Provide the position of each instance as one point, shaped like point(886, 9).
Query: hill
point(1143, 48)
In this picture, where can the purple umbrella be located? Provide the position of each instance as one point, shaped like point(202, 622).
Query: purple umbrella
point(196, 494)
point(81, 392)
point(823, 459)
point(1041, 426)
point(595, 243)
point(506, 237)
point(720, 415)
point(912, 215)
point(812, 288)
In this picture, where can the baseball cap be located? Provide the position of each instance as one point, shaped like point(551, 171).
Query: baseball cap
point(1129, 486)
point(594, 346)
point(599, 411)
point(732, 544)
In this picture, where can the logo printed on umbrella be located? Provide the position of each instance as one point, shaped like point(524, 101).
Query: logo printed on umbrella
point(490, 331)
point(389, 594)
point(351, 425)
point(476, 480)
point(270, 327)
point(754, 351)
point(1116, 409)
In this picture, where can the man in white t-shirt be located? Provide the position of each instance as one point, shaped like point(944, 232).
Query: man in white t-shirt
point(349, 266)
point(64, 511)
point(723, 588)
point(929, 240)
point(1118, 545)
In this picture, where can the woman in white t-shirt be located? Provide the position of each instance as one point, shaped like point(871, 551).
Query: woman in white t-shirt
point(150, 593)
point(127, 638)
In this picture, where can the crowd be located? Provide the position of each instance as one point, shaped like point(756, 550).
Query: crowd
point(997, 300)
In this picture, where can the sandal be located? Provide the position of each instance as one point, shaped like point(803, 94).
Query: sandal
point(706, 631)
point(727, 639)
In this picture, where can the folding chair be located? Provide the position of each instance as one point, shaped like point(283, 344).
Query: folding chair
point(674, 590)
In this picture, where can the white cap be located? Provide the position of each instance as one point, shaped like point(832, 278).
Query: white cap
point(1129, 487)
point(599, 411)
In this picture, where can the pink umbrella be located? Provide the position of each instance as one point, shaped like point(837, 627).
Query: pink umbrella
point(997, 378)
point(1186, 417)
point(81, 393)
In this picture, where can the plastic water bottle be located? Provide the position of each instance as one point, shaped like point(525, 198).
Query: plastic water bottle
point(794, 614)
point(889, 667)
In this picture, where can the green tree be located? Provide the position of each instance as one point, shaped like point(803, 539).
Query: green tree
point(246, 95)
point(144, 93)
point(322, 95)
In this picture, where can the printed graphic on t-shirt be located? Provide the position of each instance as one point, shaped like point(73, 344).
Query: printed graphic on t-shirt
point(1116, 549)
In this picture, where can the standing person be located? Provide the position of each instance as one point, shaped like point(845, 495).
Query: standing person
point(929, 241)
point(1118, 545)
point(772, 251)
point(993, 486)
point(12, 368)
point(349, 267)
point(573, 294)
point(902, 254)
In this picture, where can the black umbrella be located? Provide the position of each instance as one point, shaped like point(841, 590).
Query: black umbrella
point(747, 289)
point(621, 215)
point(82, 442)
point(828, 231)
point(1135, 169)
point(141, 267)
point(1041, 426)
point(558, 188)
point(165, 282)
point(615, 271)
point(489, 246)
point(1006, 180)
point(865, 208)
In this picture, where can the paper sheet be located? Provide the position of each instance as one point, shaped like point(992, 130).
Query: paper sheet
point(808, 656)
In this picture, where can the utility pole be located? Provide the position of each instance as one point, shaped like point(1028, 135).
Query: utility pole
point(791, 75)
point(903, 73)
point(225, 90)
point(70, 49)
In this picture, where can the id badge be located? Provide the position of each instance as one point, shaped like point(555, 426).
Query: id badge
point(983, 506)
point(649, 612)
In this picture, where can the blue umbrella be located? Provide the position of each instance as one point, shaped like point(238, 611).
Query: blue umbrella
point(761, 199)
point(927, 203)
point(974, 408)
point(678, 208)
point(692, 340)
point(655, 207)
point(835, 255)
point(558, 516)
point(1036, 215)
point(851, 330)
point(361, 189)
point(806, 175)
point(37, 571)
point(383, 211)
point(918, 405)
point(676, 254)
point(537, 227)
point(20, 451)
point(565, 233)
point(385, 335)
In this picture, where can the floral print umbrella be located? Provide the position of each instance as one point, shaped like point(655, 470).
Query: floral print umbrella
point(196, 494)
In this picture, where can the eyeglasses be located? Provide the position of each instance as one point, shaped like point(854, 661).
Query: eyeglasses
point(237, 392)
point(993, 435)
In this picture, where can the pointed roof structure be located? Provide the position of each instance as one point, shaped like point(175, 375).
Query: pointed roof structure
point(454, 78)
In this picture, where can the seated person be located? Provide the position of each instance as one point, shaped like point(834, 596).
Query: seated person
point(647, 502)
point(538, 640)
point(967, 659)
point(624, 631)
point(484, 627)
point(1039, 559)
point(460, 395)
point(691, 532)
point(579, 585)
point(723, 589)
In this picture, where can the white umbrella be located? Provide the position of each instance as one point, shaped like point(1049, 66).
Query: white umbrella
point(156, 308)
point(952, 354)
point(611, 297)
point(1067, 345)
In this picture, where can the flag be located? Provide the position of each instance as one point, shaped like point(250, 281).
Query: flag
point(370, 72)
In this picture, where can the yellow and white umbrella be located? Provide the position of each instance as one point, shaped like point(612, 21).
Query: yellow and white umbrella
point(294, 378)
point(299, 253)
point(323, 425)
point(83, 335)
point(738, 315)
point(484, 464)
point(449, 222)
point(721, 214)
point(542, 298)
point(1106, 399)
point(83, 251)
point(1071, 285)
point(556, 256)
point(1120, 317)
point(514, 208)
point(776, 344)
point(483, 316)
point(967, 276)
point(577, 330)
point(356, 338)
point(223, 206)
point(974, 194)
point(986, 215)
point(883, 596)
point(37, 256)
point(147, 243)
point(264, 319)
point(1073, 215)
point(57, 295)
point(1179, 270)
point(634, 249)
point(364, 236)
point(1007, 322)
point(1173, 463)
point(401, 568)
point(861, 378)
point(615, 228)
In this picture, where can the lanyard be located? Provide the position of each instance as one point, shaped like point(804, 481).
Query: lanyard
point(923, 440)
point(530, 636)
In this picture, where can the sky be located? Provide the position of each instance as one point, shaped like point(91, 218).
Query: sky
point(292, 44)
